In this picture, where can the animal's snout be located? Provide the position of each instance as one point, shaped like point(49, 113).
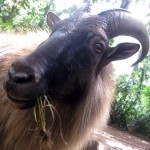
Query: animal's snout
point(21, 77)
point(21, 83)
point(21, 73)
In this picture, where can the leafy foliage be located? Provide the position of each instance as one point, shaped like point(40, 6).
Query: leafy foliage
point(20, 15)
point(132, 107)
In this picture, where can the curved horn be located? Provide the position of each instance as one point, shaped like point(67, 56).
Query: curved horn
point(84, 9)
point(122, 22)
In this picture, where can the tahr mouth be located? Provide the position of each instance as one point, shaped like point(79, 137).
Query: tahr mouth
point(23, 104)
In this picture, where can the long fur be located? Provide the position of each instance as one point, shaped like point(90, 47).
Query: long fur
point(72, 129)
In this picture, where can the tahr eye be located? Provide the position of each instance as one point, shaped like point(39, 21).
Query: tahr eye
point(98, 47)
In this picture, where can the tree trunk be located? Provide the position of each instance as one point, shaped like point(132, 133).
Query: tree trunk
point(125, 4)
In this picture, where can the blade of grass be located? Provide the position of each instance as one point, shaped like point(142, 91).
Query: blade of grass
point(39, 114)
point(34, 113)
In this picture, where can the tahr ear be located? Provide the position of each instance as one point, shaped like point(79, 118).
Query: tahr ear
point(52, 19)
point(122, 51)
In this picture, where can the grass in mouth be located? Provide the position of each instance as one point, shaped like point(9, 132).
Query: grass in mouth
point(39, 114)
point(39, 111)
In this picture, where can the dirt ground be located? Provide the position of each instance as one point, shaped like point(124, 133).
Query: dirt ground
point(114, 139)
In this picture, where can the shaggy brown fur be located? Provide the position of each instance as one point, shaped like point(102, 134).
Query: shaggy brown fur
point(18, 129)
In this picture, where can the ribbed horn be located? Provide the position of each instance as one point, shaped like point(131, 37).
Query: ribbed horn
point(122, 22)
point(84, 9)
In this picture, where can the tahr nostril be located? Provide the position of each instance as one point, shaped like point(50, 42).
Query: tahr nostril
point(21, 78)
